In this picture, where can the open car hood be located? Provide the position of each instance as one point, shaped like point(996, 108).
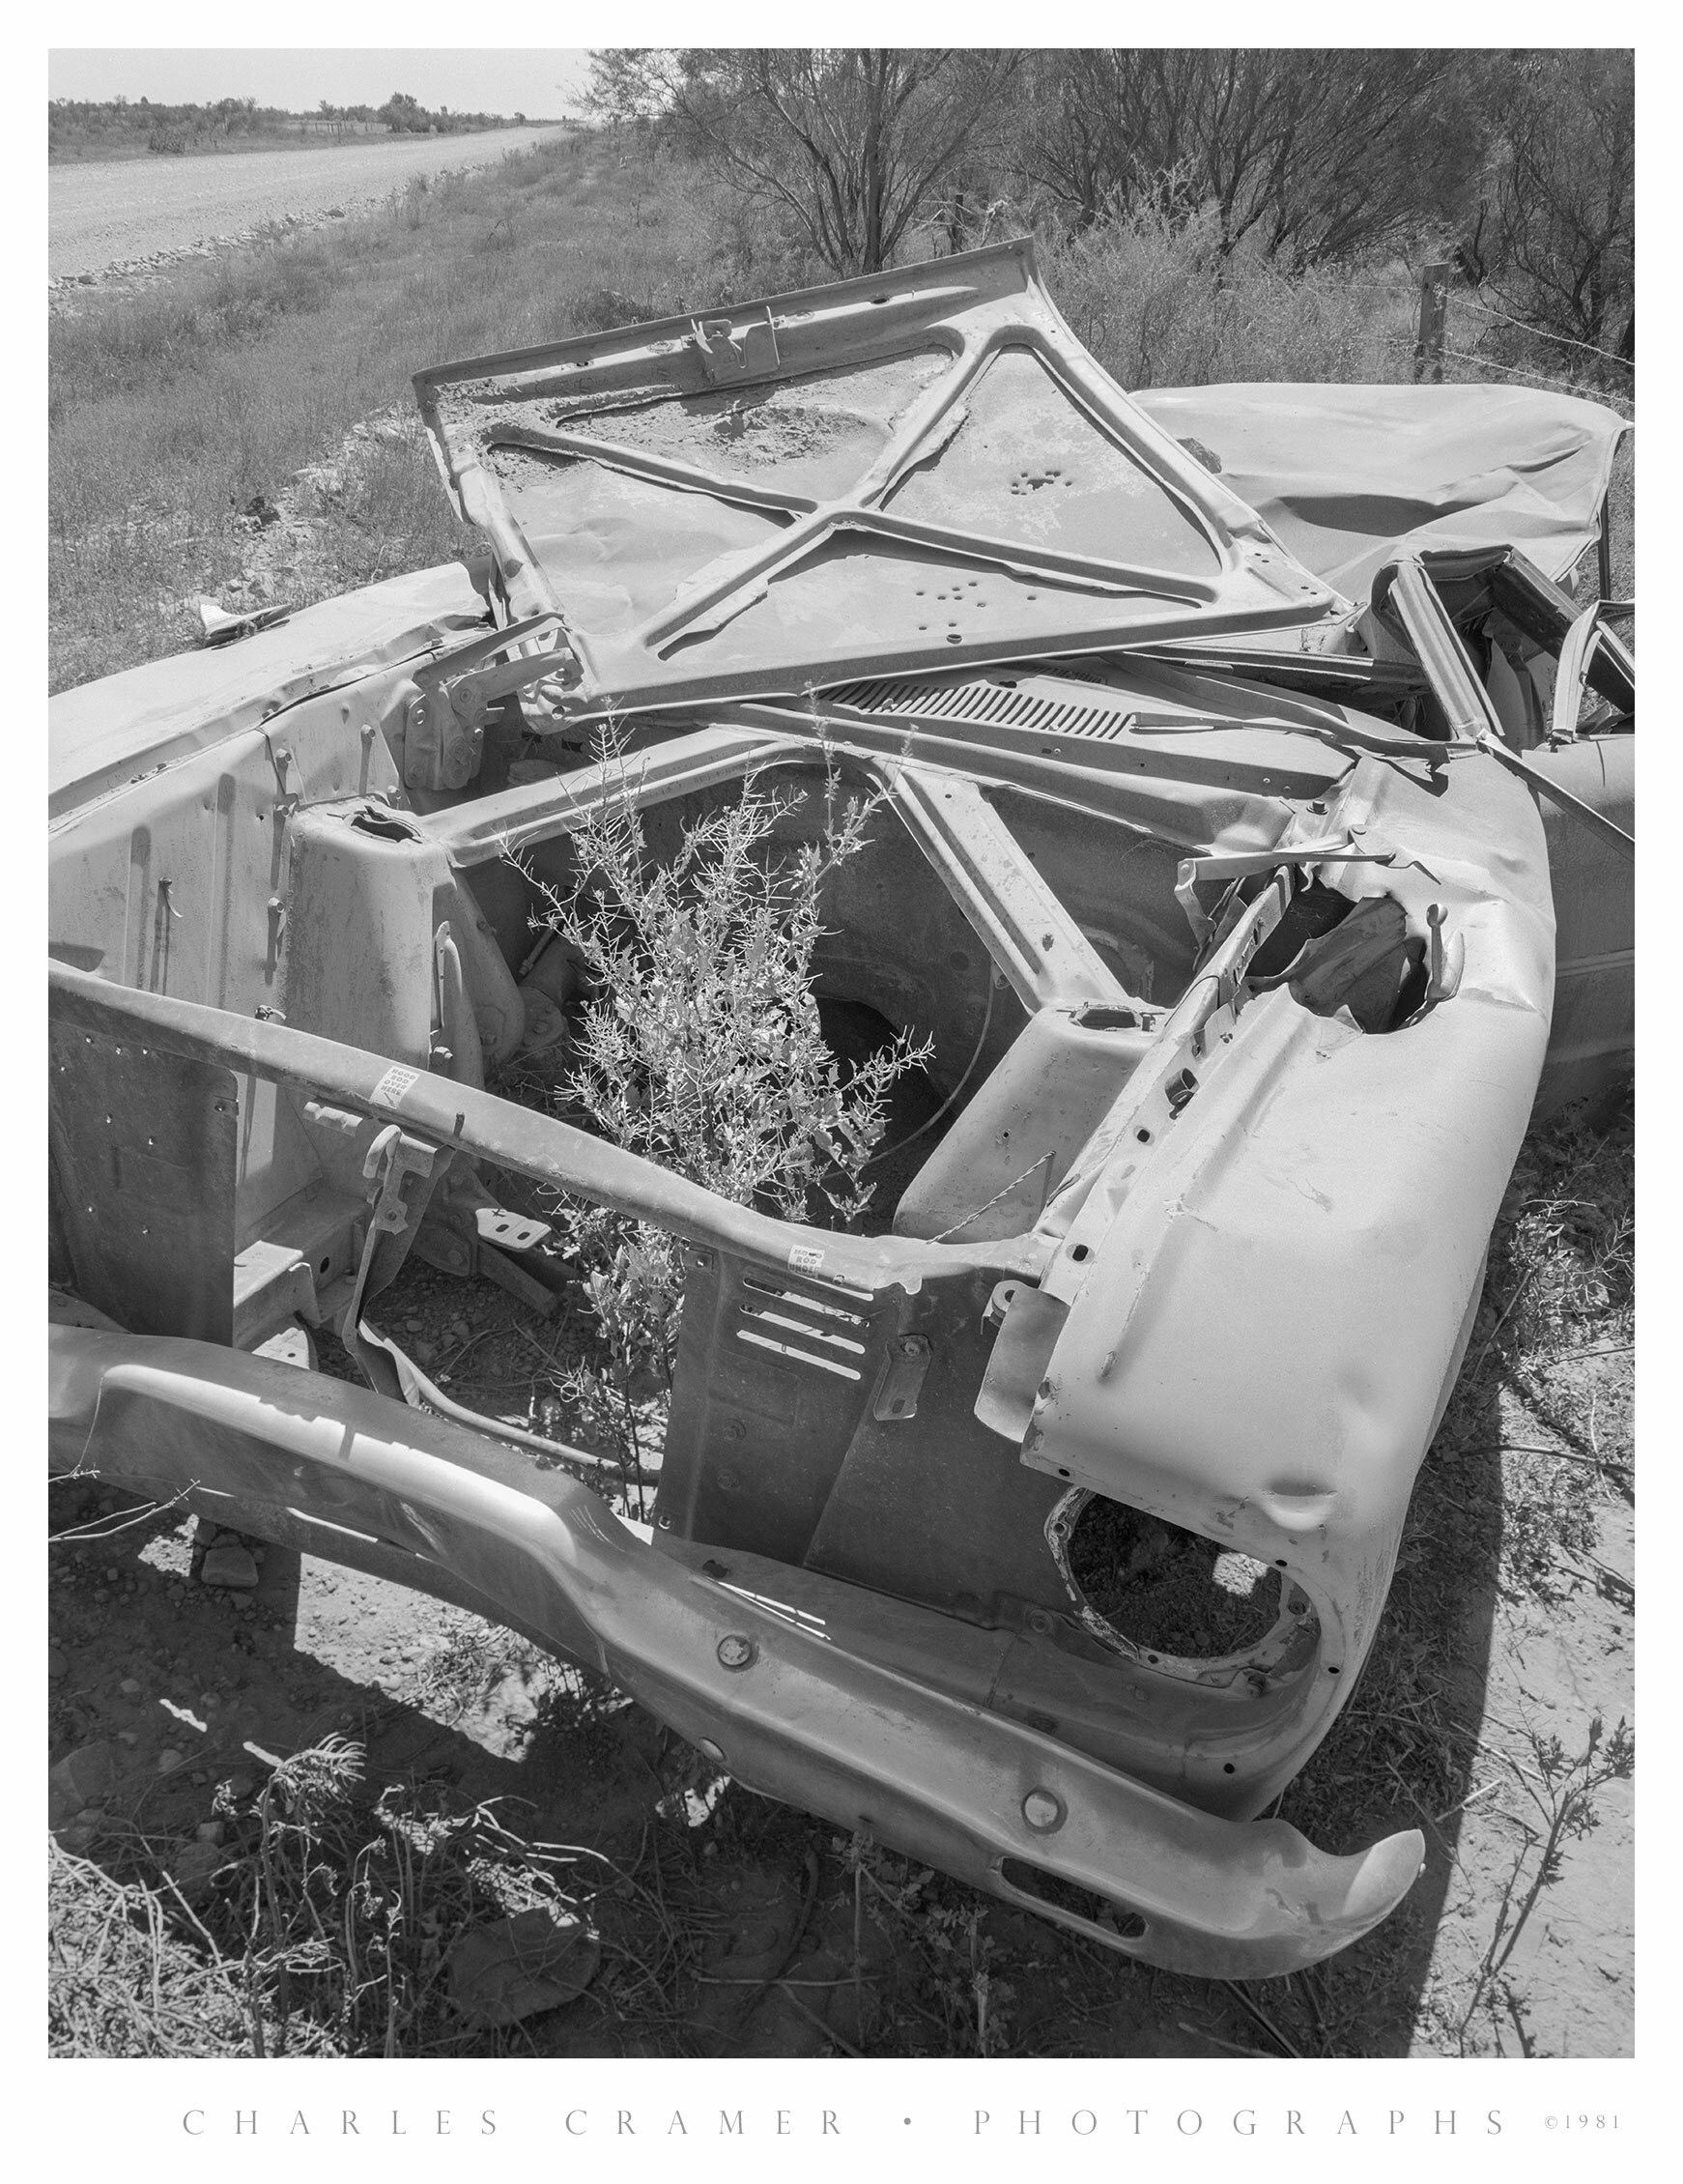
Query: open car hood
point(842, 483)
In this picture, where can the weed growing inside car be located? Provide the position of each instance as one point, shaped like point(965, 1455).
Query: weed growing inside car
point(698, 1044)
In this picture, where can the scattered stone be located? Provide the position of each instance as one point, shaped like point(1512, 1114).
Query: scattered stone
point(129, 1686)
point(168, 1760)
point(230, 1566)
point(57, 1663)
point(192, 1867)
point(513, 1967)
point(80, 1778)
point(210, 1831)
point(241, 1785)
point(129, 1737)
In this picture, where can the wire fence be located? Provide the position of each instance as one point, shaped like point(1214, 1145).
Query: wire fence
point(1542, 333)
point(1431, 349)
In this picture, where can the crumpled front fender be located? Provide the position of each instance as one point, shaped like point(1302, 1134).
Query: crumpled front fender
point(798, 1711)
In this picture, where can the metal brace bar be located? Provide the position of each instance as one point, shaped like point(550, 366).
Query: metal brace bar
point(391, 1163)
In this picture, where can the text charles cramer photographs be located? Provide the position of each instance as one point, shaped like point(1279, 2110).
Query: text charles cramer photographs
point(784, 2123)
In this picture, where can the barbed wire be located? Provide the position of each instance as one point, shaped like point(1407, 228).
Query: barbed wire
point(1490, 312)
point(1517, 371)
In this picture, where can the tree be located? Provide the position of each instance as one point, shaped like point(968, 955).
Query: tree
point(1312, 154)
point(401, 112)
point(856, 142)
point(1562, 204)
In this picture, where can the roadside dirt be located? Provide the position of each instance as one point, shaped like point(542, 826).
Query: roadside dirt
point(126, 214)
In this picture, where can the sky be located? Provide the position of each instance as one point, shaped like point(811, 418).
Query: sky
point(542, 81)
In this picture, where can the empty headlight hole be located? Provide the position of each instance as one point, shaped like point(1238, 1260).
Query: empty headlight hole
point(1170, 1593)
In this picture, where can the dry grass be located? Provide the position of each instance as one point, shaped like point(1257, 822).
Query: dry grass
point(171, 410)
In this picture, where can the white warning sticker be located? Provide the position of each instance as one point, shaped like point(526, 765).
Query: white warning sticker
point(803, 1259)
point(390, 1091)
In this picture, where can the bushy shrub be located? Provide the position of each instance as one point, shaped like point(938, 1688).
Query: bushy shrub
point(1159, 303)
point(699, 1047)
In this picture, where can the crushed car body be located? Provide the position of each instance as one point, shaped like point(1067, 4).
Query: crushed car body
point(1251, 887)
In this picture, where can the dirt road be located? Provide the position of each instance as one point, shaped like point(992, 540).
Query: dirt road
point(104, 213)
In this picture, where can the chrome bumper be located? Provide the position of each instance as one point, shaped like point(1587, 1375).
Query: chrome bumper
point(798, 1711)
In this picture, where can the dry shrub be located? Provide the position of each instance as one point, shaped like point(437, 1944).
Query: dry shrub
point(1160, 304)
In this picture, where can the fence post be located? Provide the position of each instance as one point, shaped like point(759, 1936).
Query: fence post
point(1434, 302)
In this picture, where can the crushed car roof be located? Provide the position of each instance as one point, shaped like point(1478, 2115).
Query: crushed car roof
point(1349, 477)
point(924, 462)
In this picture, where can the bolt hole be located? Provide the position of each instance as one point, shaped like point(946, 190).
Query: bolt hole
point(1228, 1767)
point(1080, 1252)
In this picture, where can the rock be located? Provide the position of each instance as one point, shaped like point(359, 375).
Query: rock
point(210, 1831)
point(129, 1686)
point(241, 1785)
point(129, 1737)
point(80, 1778)
point(192, 1867)
point(231, 1566)
point(168, 1760)
point(513, 1967)
point(57, 1663)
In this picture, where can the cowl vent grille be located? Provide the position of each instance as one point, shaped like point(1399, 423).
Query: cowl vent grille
point(1027, 708)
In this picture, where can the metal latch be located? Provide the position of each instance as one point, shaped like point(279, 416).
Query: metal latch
point(727, 354)
point(902, 1377)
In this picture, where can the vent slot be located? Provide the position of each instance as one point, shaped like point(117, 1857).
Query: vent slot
point(799, 1299)
point(803, 1356)
point(792, 1325)
point(1071, 1904)
point(988, 704)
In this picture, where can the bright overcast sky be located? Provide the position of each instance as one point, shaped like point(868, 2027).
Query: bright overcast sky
point(543, 81)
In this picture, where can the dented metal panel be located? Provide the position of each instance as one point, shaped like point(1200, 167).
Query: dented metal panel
point(842, 482)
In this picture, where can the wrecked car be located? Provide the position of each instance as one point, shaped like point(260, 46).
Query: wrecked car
point(1253, 849)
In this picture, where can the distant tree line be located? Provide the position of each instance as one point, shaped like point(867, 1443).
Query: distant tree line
point(85, 124)
point(1520, 166)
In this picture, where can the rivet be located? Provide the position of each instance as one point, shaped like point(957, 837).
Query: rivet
point(735, 1651)
point(1044, 1812)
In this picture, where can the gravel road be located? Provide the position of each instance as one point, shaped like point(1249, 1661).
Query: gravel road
point(103, 213)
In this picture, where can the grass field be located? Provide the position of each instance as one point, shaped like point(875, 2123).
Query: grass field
point(174, 410)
